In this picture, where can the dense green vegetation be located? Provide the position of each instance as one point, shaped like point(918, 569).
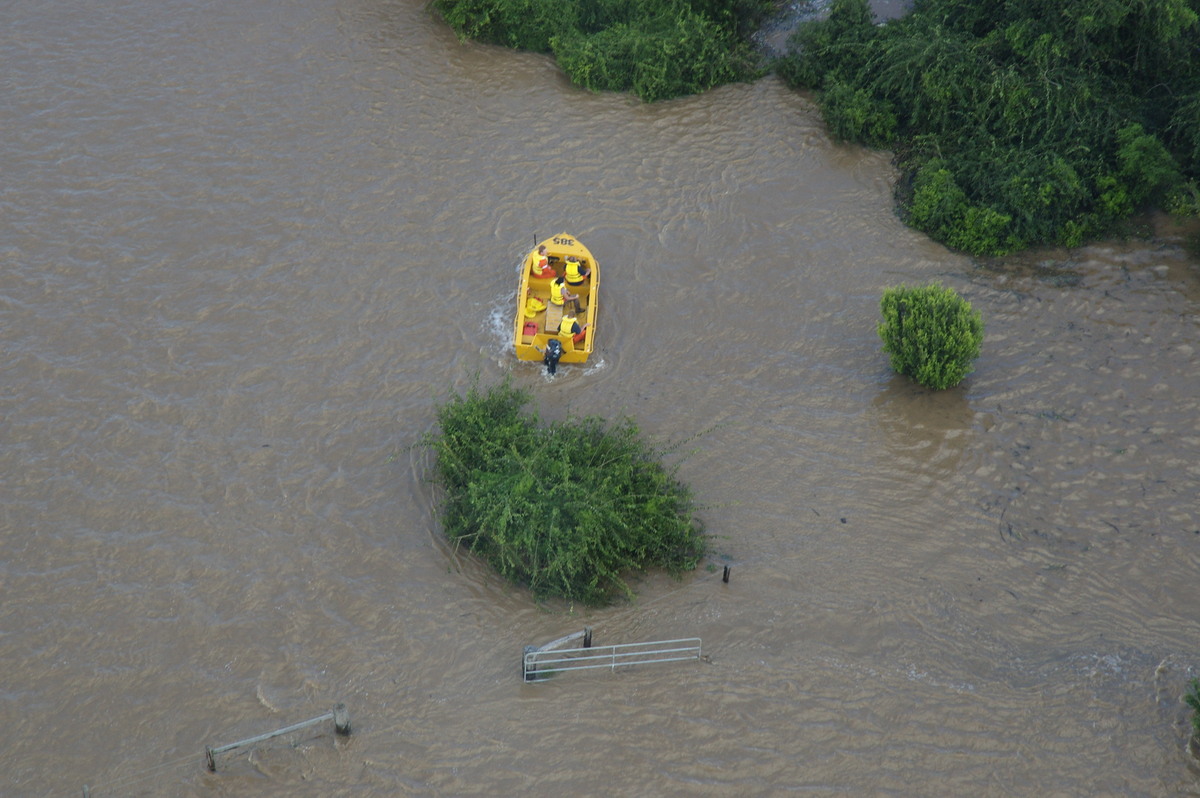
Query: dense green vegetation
point(1019, 122)
point(1015, 123)
point(930, 333)
point(568, 508)
point(654, 48)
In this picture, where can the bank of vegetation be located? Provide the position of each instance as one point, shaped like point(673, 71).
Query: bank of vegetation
point(569, 509)
point(1017, 123)
point(655, 49)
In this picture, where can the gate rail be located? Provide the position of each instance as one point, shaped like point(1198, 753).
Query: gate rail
point(542, 662)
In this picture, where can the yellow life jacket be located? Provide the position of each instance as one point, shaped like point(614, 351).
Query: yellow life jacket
point(538, 264)
point(533, 306)
point(567, 327)
point(556, 291)
point(573, 275)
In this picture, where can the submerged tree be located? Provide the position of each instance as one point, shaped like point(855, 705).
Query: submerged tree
point(930, 334)
point(568, 509)
point(1038, 122)
point(654, 48)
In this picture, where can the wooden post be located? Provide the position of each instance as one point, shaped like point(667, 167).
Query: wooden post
point(587, 637)
point(725, 576)
point(209, 760)
point(341, 720)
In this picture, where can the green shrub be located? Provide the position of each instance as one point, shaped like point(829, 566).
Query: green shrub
point(942, 209)
point(852, 115)
point(655, 59)
point(1145, 165)
point(817, 48)
point(567, 509)
point(655, 48)
point(1184, 200)
point(930, 334)
point(520, 24)
point(1192, 698)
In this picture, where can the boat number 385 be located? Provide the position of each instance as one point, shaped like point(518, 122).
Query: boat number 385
point(565, 242)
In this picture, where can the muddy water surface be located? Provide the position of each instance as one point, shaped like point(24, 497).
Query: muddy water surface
point(248, 249)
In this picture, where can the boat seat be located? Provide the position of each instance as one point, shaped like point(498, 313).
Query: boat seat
point(553, 317)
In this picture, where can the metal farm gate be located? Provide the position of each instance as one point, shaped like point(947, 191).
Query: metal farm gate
point(539, 663)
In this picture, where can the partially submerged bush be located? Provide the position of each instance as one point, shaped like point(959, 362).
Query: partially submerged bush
point(930, 333)
point(1192, 698)
point(567, 509)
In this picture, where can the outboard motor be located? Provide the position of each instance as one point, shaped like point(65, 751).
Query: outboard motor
point(553, 353)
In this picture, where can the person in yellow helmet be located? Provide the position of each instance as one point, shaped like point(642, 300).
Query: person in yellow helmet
point(576, 271)
point(560, 294)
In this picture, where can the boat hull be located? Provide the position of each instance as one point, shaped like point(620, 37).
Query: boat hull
point(531, 333)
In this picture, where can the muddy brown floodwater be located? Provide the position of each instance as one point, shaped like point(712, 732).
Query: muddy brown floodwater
point(249, 248)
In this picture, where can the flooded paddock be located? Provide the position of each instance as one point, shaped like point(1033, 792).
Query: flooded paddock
point(247, 251)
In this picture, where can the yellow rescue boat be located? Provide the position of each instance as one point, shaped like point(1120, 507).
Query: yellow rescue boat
point(557, 268)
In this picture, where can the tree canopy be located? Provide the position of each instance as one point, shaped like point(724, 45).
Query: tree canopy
point(1019, 122)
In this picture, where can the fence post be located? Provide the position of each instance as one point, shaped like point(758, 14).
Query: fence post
point(341, 720)
point(528, 672)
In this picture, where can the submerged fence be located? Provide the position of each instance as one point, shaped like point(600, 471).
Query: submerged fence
point(541, 662)
point(341, 725)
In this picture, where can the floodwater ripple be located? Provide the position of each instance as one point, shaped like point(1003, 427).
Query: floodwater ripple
point(249, 249)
